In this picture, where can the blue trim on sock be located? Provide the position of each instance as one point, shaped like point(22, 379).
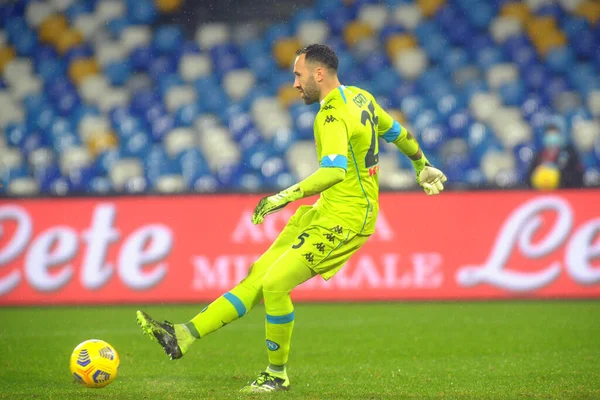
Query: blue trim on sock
point(392, 133)
point(236, 302)
point(280, 319)
point(342, 93)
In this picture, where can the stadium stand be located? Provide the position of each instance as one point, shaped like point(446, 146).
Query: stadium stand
point(106, 97)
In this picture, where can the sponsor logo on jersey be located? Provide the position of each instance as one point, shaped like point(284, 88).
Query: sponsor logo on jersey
point(329, 118)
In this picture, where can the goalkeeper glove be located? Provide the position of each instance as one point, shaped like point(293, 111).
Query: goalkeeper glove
point(429, 178)
point(270, 204)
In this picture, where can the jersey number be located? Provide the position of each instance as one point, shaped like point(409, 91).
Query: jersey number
point(372, 158)
point(301, 237)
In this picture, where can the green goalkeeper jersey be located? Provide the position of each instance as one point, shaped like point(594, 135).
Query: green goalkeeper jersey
point(347, 128)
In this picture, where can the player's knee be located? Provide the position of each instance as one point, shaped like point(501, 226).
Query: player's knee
point(272, 284)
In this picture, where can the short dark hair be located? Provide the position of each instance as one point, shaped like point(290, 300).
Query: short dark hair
point(322, 54)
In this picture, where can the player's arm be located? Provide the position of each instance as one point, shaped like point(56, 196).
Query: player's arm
point(333, 136)
point(430, 178)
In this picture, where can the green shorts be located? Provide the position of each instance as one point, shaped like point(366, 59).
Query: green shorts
point(319, 243)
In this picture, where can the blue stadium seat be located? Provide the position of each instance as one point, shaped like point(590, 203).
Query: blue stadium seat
point(77, 52)
point(51, 68)
point(143, 100)
point(157, 164)
point(459, 124)
point(15, 133)
point(412, 106)
point(26, 43)
point(12, 11)
point(168, 81)
point(432, 137)
point(142, 11)
point(226, 57)
point(283, 140)
point(536, 76)
point(512, 93)
point(560, 59)
point(240, 124)
point(167, 39)
point(117, 25)
point(338, 18)
point(78, 8)
point(98, 184)
point(79, 178)
point(141, 58)
point(449, 104)
point(481, 138)
point(488, 57)
point(82, 110)
point(160, 126)
point(161, 66)
point(106, 160)
point(250, 139)
point(375, 63)
point(479, 14)
point(136, 145)
point(228, 175)
point(187, 114)
point(118, 72)
point(187, 47)
point(46, 175)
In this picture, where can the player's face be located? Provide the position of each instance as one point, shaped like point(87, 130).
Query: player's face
point(305, 81)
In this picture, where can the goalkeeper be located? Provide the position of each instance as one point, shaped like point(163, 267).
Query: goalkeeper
point(318, 239)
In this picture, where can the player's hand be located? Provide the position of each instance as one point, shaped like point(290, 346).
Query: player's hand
point(270, 204)
point(431, 180)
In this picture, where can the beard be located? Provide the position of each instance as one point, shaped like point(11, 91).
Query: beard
point(311, 92)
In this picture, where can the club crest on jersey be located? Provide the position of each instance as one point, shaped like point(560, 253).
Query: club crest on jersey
point(272, 345)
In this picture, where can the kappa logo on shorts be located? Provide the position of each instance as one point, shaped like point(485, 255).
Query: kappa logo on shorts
point(272, 345)
point(309, 257)
point(330, 237)
point(337, 229)
point(320, 246)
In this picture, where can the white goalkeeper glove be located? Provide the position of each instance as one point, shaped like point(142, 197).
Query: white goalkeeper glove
point(431, 180)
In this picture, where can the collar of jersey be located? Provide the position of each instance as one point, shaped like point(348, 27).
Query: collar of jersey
point(332, 93)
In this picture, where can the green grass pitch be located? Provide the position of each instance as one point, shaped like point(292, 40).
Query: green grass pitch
point(498, 350)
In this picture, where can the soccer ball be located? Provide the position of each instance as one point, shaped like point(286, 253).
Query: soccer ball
point(94, 363)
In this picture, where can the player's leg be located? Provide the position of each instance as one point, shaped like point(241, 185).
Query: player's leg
point(281, 278)
point(248, 293)
point(323, 251)
point(242, 298)
point(176, 339)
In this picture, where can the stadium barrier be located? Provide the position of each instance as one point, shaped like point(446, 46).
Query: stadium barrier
point(472, 245)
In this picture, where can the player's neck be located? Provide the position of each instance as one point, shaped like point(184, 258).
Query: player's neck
point(328, 87)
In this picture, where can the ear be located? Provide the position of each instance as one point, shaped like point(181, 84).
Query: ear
point(319, 74)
